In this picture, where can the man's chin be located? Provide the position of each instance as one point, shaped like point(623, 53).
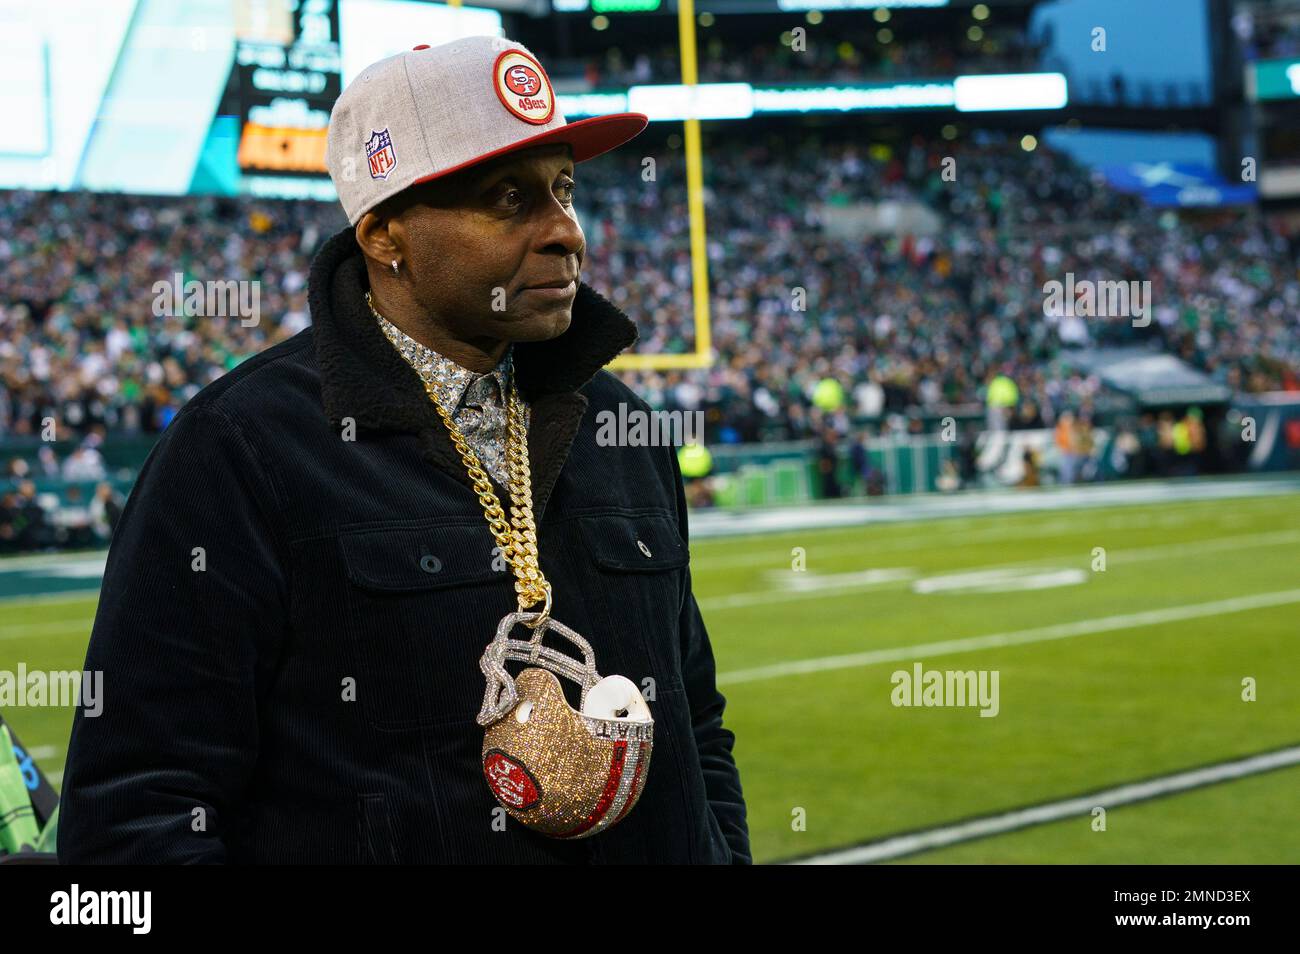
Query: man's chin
point(542, 325)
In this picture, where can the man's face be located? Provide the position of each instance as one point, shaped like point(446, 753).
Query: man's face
point(474, 243)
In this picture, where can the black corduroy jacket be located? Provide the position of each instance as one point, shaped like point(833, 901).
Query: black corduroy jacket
point(265, 566)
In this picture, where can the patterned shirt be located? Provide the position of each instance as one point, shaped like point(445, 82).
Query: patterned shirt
point(477, 402)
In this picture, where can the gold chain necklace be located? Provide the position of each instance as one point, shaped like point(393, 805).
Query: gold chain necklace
point(516, 537)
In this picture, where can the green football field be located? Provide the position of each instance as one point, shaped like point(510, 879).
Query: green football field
point(1127, 644)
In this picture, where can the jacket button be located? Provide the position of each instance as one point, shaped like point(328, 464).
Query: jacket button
point(430, 563)
point(644, 549)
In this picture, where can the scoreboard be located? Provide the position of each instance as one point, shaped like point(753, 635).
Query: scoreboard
point(286, 76)
point(222, 97)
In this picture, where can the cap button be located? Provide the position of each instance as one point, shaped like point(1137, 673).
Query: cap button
point(422, 46)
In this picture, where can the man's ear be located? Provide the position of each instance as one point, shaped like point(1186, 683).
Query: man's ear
point(375, 239)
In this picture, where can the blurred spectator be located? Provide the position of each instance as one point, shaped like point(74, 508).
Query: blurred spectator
point(1086, 447)
point(1028, 417)
point(1031, 476)
point(32, 529)
point(1001, 398)
point(828, 461)
point(1166, 457)
point(84, 463)
point(1068, 447)
point(47, 461)
point(105, 510)
point(74, 521)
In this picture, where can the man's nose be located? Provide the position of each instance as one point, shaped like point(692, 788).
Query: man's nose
point(560, 229)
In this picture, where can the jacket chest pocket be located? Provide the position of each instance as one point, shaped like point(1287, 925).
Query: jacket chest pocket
point(423, 602)
point(638, 562)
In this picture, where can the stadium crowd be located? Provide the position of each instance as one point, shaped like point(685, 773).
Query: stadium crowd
point(855, 54)
point(919, 324)
point(816, 330)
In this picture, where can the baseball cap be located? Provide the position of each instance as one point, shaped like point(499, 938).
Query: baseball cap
point(433, 110)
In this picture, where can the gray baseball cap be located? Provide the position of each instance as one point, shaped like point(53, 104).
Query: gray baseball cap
point(434, 110)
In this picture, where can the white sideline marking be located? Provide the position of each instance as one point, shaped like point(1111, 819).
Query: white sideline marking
point(1000, 581)
point(946, 835)
point(804, 582)
point(1038, 634)
point(1241, 541)
point(975, 503)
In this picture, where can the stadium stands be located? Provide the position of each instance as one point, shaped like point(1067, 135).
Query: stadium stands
point(910, 323)
point(910, 327)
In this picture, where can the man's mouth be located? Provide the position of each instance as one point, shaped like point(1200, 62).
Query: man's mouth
point(556, 290)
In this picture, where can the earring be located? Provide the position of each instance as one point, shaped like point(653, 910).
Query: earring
point(395, 266)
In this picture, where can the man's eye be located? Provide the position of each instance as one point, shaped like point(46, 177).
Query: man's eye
point(566, 188)
point(512, 192)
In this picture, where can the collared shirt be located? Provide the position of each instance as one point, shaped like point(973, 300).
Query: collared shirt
point(477, 402)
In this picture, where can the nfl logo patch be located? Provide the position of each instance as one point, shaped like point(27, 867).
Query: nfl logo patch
point(379, 154)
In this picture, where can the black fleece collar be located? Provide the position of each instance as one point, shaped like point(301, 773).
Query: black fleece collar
point(364, 378)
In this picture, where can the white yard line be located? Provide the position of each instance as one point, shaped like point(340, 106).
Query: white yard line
point(909, 844)
point(854, 581)
point(1038, 634)
point(761, 520)
point(928, 537)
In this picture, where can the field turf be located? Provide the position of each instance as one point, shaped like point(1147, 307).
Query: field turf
point(1105, 677)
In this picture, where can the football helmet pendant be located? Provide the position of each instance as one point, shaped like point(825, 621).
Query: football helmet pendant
point(563, 772)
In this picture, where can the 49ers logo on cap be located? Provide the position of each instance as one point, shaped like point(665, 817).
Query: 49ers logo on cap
point(523, 87)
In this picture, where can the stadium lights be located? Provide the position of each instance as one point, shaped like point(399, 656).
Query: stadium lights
point(702, 101)
point(1010, 91)
point(809, 99)
point(592, 104)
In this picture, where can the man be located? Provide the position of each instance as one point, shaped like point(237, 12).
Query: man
point(304, 578)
